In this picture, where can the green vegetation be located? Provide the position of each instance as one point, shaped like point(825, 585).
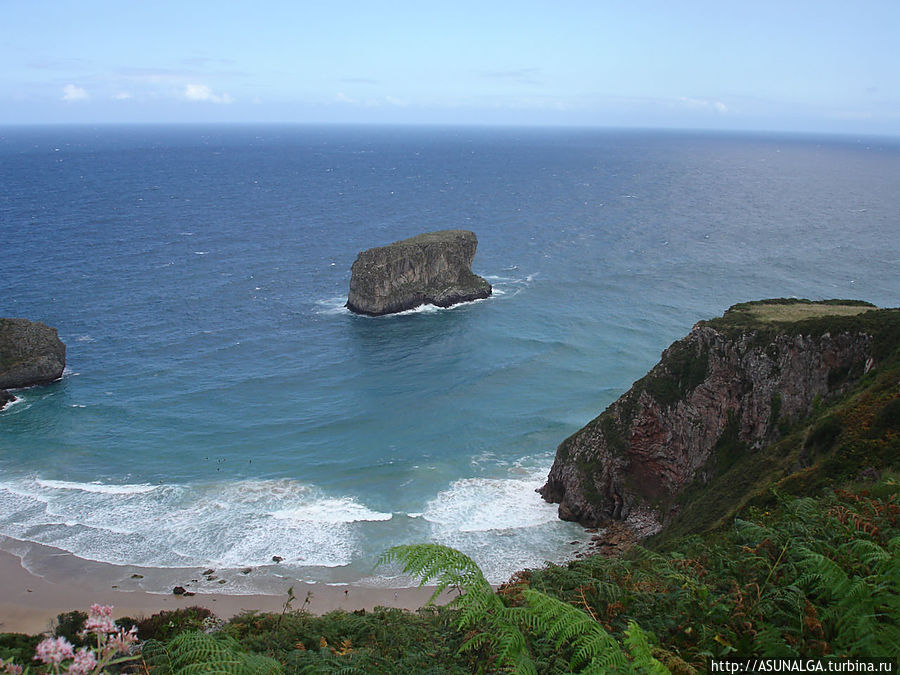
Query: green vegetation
point(167, 624)
point(684, 370)
point(197, 652)
point(768, 318)
point(17, 647)
point(781, 310)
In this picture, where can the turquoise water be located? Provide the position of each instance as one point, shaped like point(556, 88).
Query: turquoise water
point(220, 406)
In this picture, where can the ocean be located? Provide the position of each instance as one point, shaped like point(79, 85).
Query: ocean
point(221, 407)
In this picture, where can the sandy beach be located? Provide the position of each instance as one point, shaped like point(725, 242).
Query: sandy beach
point(28, 603)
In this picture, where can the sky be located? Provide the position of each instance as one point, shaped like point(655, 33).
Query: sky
point(784, 65)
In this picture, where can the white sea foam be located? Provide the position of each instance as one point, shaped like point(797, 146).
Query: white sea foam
point(229, 524)
point(509, 285)
point(16, 401)
point(421, 309)
point(104, 488)
point(84, 338)
point(485, 504)
point(501, 523)
point(336, 305)
point(331, 511)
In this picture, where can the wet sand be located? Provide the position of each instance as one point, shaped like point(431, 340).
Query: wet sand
point(28, 603)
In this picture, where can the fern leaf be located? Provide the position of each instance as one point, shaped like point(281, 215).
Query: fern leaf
point(639, 649)
point(478, 605)
point(565, 623)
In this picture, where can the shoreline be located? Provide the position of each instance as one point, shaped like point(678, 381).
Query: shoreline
point(28, 603)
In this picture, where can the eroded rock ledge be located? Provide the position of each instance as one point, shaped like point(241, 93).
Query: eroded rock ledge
point(31, 353)
point(433, 268)
point(727, 388)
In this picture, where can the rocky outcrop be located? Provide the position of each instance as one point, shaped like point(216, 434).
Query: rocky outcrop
point(5, 398)
point(723, 386)
point(433, 268)
point(30, 353)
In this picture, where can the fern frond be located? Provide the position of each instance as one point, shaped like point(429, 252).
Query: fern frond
point(444, 566)
point(477, 603)
point(156, 658)
point(567, 624)
point(196, 652)
point(866, 551)
point(752, 532)
point(639, 649)
point(821, 573)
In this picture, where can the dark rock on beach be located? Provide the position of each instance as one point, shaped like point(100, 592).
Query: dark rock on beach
point(433, 268)
point(30, 353)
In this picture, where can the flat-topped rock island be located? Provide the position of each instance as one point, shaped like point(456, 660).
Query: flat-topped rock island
point(434, 268)
point(31, 353)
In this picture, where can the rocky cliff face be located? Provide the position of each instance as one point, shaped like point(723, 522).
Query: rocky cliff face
point(719, 384)
point(30, 353)
point(433, 268)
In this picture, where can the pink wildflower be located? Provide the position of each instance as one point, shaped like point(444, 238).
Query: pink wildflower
point(122, 640)
point(10, 668)
point(100, 620)
point(84, 662)
point(53, 651)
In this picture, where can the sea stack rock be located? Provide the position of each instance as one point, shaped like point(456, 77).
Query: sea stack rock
point(30, 353)
point(433, 268)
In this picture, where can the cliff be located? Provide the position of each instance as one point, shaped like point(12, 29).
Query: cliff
point(710, 417)
point(433, 268)
point(30, 353)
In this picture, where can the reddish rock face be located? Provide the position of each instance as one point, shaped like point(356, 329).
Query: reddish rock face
point(657, 438)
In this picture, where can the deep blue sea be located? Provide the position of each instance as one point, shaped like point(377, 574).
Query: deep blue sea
point(220, 406)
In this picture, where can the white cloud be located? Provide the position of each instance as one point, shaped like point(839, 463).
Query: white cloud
point(73, 93)
point(202, 93)
point(704, 104)
point(341, 97)
point(123, 96)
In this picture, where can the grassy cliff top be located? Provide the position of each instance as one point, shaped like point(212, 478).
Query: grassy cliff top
point(435, 237)
point(797, 316)
point(789, 310)
point(796, 311)
point(766, 319)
